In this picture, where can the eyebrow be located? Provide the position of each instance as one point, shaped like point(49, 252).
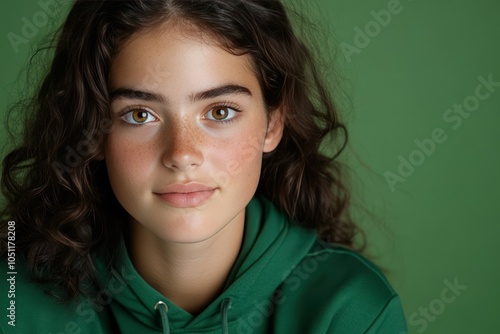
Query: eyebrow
point(128, 93)
point(134, 94)
point(219, 91)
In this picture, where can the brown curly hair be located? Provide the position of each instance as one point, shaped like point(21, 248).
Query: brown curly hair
point(58, 192)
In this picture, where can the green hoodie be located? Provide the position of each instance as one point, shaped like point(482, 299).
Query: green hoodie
point(284, 281)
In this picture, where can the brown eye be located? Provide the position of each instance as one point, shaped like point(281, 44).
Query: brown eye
point(140, 116)
point(220, 113)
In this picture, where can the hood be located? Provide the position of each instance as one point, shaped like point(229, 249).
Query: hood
point(271, 247)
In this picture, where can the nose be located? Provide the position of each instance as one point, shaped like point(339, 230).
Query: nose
point(182, 147)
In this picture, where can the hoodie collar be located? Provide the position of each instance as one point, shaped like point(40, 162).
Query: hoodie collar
point(271, 247)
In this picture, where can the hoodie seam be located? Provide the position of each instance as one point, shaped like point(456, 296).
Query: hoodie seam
point(341, 250)
point(384, 308)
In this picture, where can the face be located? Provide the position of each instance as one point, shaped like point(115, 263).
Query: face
point(190, 126)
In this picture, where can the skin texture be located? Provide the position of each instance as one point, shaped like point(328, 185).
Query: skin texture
point(185, 252)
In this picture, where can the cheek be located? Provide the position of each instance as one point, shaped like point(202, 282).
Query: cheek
point(239, 159)
point(127, 160)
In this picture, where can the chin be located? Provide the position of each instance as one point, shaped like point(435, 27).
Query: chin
point(188, 231)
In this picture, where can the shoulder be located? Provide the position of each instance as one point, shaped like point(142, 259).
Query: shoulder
point(352, 292)
point(341, 265)
point(31, 310)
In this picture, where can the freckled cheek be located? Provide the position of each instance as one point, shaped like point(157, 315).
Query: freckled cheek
point(128, 159)
point(238, 159)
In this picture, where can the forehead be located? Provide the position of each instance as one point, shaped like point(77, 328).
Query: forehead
point(173, 52)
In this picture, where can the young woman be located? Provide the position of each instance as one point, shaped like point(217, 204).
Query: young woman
point(170, 181)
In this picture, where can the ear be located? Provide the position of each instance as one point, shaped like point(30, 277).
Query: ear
point(99, 156)
point(275, 128)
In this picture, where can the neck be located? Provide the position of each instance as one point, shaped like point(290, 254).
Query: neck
point(191, 275)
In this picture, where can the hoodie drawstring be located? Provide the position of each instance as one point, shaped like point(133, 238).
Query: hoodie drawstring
point(164, 316)
point(224, 308)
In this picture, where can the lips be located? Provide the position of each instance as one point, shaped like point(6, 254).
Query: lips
point(186, 195)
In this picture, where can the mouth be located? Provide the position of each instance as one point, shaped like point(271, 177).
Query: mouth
point(186, 195)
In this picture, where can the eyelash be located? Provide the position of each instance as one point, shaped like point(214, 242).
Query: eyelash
point(225, 104)
point(131, 109)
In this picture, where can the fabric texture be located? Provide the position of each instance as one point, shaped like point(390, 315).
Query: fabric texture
point(284, 281)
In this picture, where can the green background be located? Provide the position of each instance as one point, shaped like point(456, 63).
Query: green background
point(442, 223)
